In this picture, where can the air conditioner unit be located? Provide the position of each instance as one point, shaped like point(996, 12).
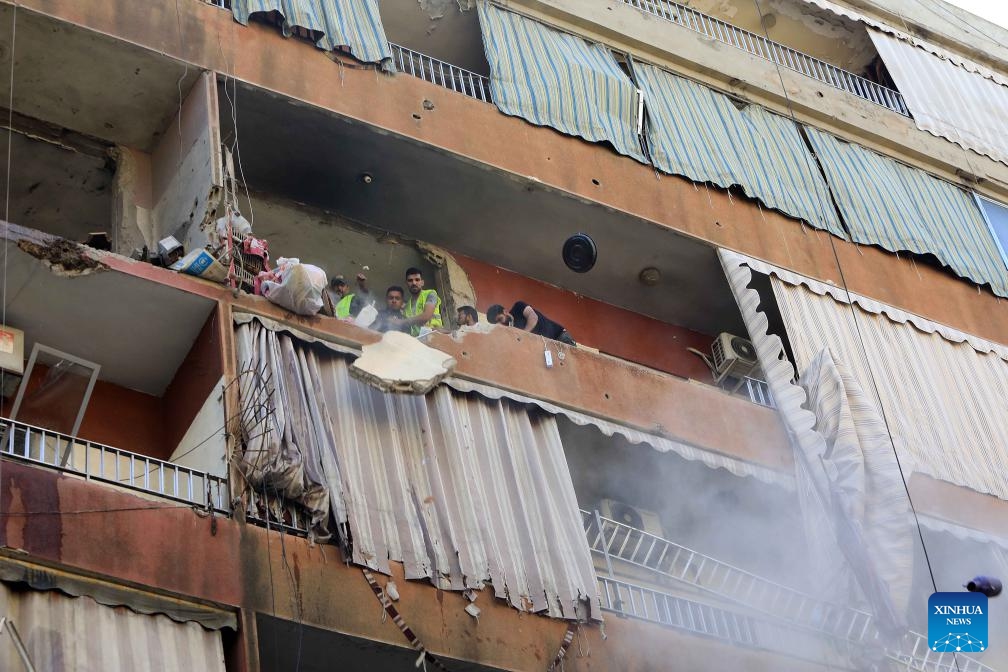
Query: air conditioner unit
point(632, 516)
point(733, 356)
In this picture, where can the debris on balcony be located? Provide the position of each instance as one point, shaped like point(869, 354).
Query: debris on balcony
point(295, 286)
point(401, 363)
point(63, 257)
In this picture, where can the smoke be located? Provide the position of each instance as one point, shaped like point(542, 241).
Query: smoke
point(756, 527)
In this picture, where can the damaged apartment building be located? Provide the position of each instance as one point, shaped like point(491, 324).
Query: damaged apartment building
point(776, 230)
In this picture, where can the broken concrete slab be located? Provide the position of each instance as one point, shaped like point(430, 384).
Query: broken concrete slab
point(401, 363)
point(63, 257)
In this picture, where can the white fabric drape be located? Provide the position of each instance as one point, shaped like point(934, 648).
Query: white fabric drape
point(832, 507)
point(65, 634)
point(860, 475)
point(460, 488)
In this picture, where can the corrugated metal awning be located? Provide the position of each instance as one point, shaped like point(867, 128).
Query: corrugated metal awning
point(78, 633)
point(552, 78)
point(898, 207)
point(461, 489)
point(945, 54)
point(948, 100)
point(355, 24)
point(702, 134)
point(945, 393)
point(44, 577)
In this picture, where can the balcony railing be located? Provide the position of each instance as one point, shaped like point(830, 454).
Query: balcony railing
point(628, 599)
point(427, 68)
point(98, 462)
point(783, 56)
point(441, 73)
point(667, 560)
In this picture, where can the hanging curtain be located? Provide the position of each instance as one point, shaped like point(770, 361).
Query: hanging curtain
point(556, 79)
point(897, 207)
point(704, 135)
point(460, 488)
point(354, 24)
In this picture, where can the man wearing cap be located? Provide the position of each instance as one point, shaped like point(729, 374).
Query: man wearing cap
point(346, 303)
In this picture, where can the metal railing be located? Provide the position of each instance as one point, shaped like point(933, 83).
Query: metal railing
point(271, 510)
point(427, 68)
point(757, 391)
point(781, 55)
point(652, 605)
point(103, 463)
point(617, 541)
point(441, 73)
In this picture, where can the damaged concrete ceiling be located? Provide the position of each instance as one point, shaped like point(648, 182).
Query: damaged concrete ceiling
point(799, 25)
point(89, 79)
point(422, 192)
point(138, 331)
point(58, 189)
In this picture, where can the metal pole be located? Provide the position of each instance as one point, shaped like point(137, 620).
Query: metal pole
point(605, 544)
point(6, 623)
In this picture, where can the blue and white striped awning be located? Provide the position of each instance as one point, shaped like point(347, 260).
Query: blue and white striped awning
point(702, 134)
point(897, 207)
point(556, 79)
point(354, 24)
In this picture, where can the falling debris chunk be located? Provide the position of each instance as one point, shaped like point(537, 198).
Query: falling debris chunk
point(63, 256)
point(473, 611)
point(401, 363)
point(392, 591)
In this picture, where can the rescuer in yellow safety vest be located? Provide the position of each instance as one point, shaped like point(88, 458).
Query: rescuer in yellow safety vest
point(423, 308)
point(347, 304)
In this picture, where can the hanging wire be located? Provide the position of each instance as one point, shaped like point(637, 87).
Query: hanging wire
point(6, 224)
point(861, 341)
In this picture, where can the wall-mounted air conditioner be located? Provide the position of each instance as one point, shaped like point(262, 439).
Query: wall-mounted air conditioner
point(632, 516)
point(733, 356)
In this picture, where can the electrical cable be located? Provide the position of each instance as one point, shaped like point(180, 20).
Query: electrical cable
point(863, 346)
point(6, 224)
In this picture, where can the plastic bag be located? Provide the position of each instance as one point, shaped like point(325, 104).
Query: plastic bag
point(240, 227)
point(298, 287)
point(366, 317)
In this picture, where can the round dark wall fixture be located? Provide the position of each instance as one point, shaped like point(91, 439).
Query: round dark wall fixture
point(579, 253)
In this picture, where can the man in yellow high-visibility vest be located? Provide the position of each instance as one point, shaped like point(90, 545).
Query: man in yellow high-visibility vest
point(423, 308)
point(348, 304)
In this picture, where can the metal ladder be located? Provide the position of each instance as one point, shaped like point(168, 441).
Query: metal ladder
point(615, 540)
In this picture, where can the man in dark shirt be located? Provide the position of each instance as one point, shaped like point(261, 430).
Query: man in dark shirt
point(391, 317)
point(524, 316)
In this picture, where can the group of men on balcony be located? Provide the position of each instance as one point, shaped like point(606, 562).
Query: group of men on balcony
point(421, 309)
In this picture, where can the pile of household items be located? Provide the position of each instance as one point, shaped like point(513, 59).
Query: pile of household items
point(235, 257)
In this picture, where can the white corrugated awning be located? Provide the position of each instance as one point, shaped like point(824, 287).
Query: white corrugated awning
point(945, 54)
point(945, 393)
point(461, 489)
point(947, 99)
point(77, 633)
